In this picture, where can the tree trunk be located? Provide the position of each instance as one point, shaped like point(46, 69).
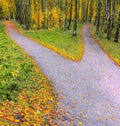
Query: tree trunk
point(87, 10)
point(70, 18)
point(27, 13)
point(91, 11)
point(78, 10)
point(75, 20)
point(38, 15)
point(108, 19)
point(98, 17)
point(113, 15)
point(83, 12)
point(1, 12)
point(43, 3)
point(117, 29)
point(11, 9)
point(66, 15)
point(60, 16)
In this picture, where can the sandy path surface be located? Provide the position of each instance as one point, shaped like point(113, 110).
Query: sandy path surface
point(89, 90)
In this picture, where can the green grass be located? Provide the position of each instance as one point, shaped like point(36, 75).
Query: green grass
point(24, 89)
point(58, 38)
point(14, 68)
point(111, 47)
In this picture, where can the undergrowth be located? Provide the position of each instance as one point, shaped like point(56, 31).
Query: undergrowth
point(59, 40)
point(26, 95)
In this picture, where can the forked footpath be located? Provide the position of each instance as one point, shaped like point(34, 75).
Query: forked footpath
point(88, 90)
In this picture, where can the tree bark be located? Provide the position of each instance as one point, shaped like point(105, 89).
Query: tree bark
point(113, 15)
point(60, 15)
point(98, 17)
point(108, 19)
point(75, 20)
point(1, 12)
point(117, 29)
point(87, 10)
point(70, 17)
point(83, 12)
point(91, 11)
point(66, 15)
point(43, 3)
point(38, 15)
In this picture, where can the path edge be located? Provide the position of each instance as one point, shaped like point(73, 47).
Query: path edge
point(98, 42)
point(56, 50)
point(37, 68)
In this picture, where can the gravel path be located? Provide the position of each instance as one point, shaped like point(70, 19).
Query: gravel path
point(89, 90)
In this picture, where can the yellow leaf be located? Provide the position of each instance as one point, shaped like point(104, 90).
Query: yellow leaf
point(80, 123)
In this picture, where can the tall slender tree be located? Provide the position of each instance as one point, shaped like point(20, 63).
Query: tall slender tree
point(60, 12)
point(91, 11)
point(1, 12)
point(113, 14)
point(108, 19)
point(117, 29)
point(87, 8)
point(70, 16)
point(66, 14)
point(38, 13)
point(98, 17)
point(43, 3)
point(75, 19)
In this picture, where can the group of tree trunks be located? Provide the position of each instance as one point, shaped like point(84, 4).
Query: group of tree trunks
point(63, 13)
point(108, 18)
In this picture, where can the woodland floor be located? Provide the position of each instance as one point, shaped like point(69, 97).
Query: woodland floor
point(88, 90)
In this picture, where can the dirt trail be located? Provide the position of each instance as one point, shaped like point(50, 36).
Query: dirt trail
point(89, 91)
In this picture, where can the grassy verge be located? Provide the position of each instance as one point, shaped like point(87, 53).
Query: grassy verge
point(58, 40)
point(110, 47)
point(26, 95)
